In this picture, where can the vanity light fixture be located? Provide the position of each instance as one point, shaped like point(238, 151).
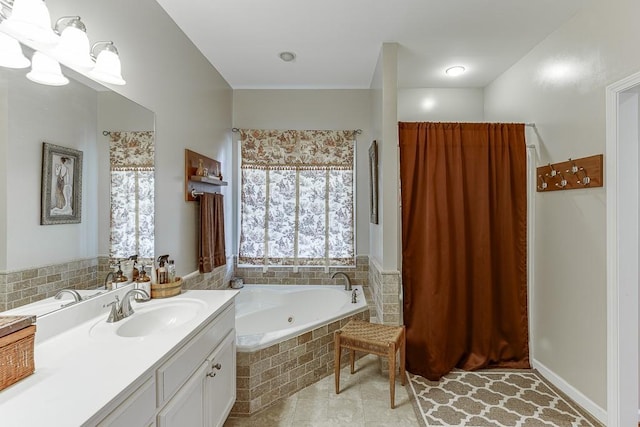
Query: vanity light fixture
point(108, 68)
point(31, 19)
point(287, 56)
point(11, 55)
point(73, 48)
point(46, 70)
point(455, 71)
point(67, 43)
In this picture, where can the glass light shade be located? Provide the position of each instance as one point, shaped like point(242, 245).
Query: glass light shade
point(108, 67)
point(73, 48)
point(46, 70)
point(31, 19)
point(11, 55)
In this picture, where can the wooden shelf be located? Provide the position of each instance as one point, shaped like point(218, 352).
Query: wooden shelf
point(208, 180)
point(203, 184)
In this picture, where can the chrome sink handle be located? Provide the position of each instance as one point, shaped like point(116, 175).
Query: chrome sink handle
point(125, 307)
point(114, 314)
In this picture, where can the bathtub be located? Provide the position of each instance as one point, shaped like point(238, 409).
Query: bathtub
point(269, 314)
point(284, 339)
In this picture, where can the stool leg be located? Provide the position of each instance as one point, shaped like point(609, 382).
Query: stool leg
point(352, 358)
point(403, 349)
point(392, 373)
point(336, 365)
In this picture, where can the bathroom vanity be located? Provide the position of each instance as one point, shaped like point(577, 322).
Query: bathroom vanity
point(171, 363)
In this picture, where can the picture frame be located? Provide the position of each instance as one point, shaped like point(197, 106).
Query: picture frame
point(61, 185)
point(373, 182)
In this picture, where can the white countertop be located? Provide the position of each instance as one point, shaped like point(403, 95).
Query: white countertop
point(77, 374)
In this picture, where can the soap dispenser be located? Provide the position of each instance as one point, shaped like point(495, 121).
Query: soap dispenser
point(162, 274)
point(144, 283)
point(120, 279)
point(136, 272)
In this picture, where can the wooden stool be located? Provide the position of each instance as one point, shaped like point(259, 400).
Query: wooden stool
point(372, 338)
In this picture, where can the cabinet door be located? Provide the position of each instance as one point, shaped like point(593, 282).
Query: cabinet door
point(220, 385)
point(136, 410)
point(186, 408)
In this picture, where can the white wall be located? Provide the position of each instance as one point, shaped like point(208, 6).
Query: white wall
point(63, 116)
point(315, 109)
point(168, 75)
point(4, 138)
point(560, 85)
point(440, 105)
point(385, 236)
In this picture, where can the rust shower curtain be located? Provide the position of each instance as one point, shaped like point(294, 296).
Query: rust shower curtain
point(464, 249)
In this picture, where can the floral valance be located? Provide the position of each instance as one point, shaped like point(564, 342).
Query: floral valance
point(131, 150)
point(297, 149)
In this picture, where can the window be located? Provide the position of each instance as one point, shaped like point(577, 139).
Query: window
point(297, 198)
point(132, 194)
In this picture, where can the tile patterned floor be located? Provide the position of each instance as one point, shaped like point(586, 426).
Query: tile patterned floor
point(363, 401)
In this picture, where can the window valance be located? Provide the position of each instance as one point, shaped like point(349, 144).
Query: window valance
point(297, 149)
point(132, 150)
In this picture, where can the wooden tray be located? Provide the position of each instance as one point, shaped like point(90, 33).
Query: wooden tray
point(167, 290)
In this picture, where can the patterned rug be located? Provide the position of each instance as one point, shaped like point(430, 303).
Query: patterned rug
point(493, 398)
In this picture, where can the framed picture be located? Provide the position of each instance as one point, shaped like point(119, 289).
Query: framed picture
point(61, 185)
point(373, 182)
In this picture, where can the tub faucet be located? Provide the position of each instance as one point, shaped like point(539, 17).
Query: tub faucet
point(76, 296)
point(347, 286)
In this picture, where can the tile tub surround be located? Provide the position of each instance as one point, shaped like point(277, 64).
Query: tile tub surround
point(385, 294)
point(304, 275)
point(360, 275)
point(21, 287)
point(267, 376)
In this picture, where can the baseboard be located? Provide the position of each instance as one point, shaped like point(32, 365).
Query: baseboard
point(575, 395)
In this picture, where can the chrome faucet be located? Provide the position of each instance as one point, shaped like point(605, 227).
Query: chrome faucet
point(347, 286)
point(122, 309)
point(76, 296)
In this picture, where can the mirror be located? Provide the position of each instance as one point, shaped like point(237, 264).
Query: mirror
point(36, 261)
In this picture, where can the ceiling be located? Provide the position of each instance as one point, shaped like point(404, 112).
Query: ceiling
point(337, 42)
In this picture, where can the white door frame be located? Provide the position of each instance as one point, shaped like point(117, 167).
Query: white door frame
point(622, 264)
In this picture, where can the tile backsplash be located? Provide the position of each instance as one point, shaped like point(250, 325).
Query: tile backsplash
point(22, 287)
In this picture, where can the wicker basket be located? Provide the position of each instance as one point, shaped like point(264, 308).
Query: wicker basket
point(167, 290)
point(16, 349)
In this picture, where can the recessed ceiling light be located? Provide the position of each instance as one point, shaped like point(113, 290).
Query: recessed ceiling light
point(287, 56)
point(455, 71)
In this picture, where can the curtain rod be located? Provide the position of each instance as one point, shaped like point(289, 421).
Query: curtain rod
point(356, 131)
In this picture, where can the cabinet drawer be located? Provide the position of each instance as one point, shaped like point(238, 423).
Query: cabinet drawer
point(174, 373)
point(136, 410)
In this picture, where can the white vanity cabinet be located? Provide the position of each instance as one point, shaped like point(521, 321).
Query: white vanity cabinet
point(220, 384)
point(192, 386)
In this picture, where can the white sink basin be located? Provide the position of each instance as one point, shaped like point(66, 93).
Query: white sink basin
point(150, 319)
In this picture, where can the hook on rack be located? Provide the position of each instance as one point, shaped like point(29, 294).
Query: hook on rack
point(585, 180)
point(574, 168)
point(552, 171)
point(562, 183)
point(543, 183)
